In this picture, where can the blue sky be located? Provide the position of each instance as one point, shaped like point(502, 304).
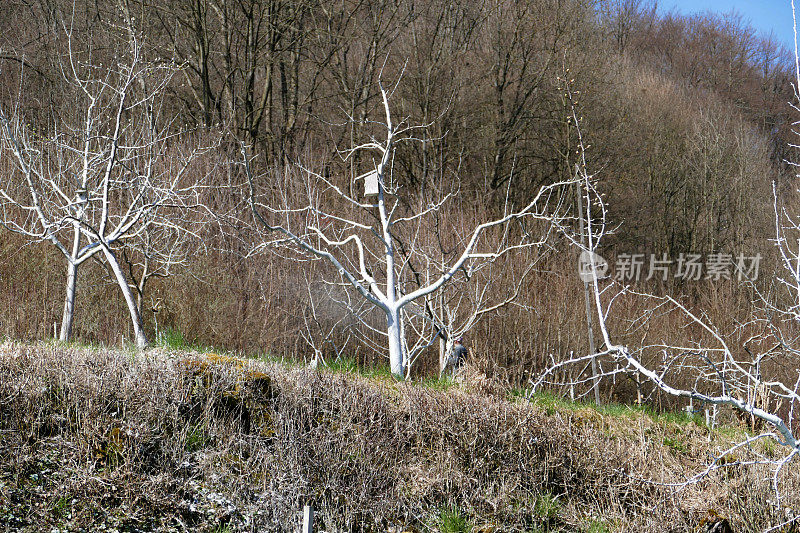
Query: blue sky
point(763, 15)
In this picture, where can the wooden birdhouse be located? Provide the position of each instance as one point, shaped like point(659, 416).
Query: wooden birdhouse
point(371, 183)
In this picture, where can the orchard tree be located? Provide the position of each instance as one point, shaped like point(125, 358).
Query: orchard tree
point(108, 174)
point(743, 368)
point(359, 237)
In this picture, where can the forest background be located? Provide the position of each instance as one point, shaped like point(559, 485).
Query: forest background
point(686, 119)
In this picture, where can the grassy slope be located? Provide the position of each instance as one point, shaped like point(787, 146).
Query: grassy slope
point(177, 441)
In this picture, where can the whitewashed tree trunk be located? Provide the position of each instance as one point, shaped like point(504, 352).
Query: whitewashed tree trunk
point(396, 355)
point(69, 302)
point(442, 354)
point(138, 330)
point(71, 287)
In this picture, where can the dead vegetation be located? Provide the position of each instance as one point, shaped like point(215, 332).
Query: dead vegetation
point(95, 439)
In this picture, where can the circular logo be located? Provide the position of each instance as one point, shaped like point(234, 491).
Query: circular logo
point(590, 265)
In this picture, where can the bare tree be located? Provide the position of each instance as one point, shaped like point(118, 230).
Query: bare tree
point(96, 180)
point(480, 290)
point(360, 239)
point(743, 369)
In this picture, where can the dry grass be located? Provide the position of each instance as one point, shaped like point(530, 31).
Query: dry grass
point(187, 442)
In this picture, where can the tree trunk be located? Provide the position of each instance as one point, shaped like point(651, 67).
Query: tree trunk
point(69, 302)
point(72, 282)
point(442, 353)
point(595, 377)
point(136, 318)
point(396, 356)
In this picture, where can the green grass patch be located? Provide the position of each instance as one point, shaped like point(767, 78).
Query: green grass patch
point(442, 383)
point(676, 445)
point(381, 372)
point(729, 432)
point(348, 365)
point(60, 507)
point(769, 447)
point(172, 338)
point(597, 526)
point(547, 506)
point(451, 519)
point(550, 402)
point(197, 438)
point(553, 403)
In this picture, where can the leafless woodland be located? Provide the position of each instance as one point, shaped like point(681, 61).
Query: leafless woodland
point(199, 170)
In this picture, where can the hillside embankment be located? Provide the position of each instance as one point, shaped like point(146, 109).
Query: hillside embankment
point(109, 440)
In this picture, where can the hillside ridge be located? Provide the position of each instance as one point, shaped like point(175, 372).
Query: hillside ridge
point(102, 439)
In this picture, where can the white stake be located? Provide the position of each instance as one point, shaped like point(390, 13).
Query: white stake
point(308, 519)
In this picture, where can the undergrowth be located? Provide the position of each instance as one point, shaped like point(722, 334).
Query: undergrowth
point(170, 441)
